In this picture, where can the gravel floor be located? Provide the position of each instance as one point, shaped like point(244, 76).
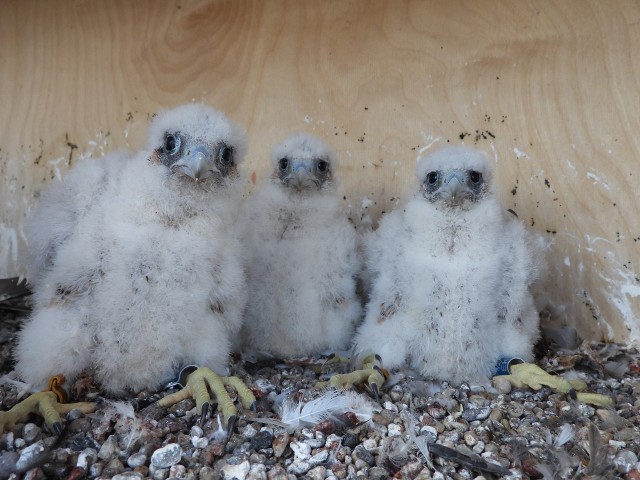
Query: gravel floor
point(477, 434)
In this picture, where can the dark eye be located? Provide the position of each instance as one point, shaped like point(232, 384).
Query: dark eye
point(225, 157)
point(283, 163)
point(322, 166)
point(171, 144)
point(432, 178)
point(475, 177)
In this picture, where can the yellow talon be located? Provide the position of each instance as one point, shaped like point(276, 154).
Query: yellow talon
point(44, 404)
point(530, 375)
point(371, 373)
point(198, 385)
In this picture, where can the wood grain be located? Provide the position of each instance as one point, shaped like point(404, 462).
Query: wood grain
point(550, 90)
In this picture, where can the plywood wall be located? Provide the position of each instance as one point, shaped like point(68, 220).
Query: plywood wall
point(550, 90)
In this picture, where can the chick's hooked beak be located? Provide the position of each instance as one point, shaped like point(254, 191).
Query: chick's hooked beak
point(197, 164)
point(301, 176)
point(454, 188)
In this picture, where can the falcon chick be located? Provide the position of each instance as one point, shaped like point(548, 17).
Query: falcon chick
point(144, 276)
point(451, 275)
point(302, 263)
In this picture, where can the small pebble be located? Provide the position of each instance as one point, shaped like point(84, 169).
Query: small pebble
point(280, 443)
point(396, 393)
point(625, 461)
point(166, 456)
point(177, 471)
point(364, 455)
point(127, 476)
point(199, 442)
point(301, 450)
point(137, 460)
point(299, 467)
point(30, 432)
point(319, 458)
point(317, 473)
point(394, 430)
point(249, 432)
point(237, 472)
point(108, 448)
point(28, 455)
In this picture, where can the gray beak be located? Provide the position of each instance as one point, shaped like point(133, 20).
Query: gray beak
point(454, 188)
point(196, 164)
point(300, 176)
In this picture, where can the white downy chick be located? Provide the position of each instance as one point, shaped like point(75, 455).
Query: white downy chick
point(149, 277)
point(303, 262)
point(451, 275)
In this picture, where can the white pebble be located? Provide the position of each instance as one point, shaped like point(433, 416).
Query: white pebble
point(30, 432)
point(301, 450)
point(166, 456)
point(369, 444)
point(199, 442)
point(108, 448)
point(299, 467)
point(249, 432)
point(319, 458)
point(394, 430)
point(391, 407)
point(625, 461)
point(29, 454)
point(430, 432)
point(137, 460)
point(177, 471)
point(479, 447)
point(127, 476)
point(238, 471)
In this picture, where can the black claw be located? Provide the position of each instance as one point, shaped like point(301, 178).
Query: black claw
point(254, 406)
point(57, 428)
point(374, 389)
point(331, 355)
point(204, 414)
point(573, 394)
point(378, 358)
point(231, 424)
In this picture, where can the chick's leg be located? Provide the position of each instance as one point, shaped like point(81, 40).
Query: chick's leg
point(530, 375)
point(197, 387)
point(46, 405)
point(371, 374)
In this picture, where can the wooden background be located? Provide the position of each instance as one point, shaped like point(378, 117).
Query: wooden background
point(549, 89)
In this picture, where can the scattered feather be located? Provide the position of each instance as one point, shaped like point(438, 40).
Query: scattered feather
point(11, 378)
point(546, 471)
point(563, 337)
point(332, 405)
point(219, 435)
point(399, 453)
point(467, 461)
point(129, 427)
point(617, 369)
point(566, 435)
point(598, 464)
point(420, 442)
